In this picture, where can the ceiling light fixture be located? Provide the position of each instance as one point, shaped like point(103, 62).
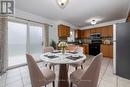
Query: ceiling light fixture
point(93, 22)
point(62, 3)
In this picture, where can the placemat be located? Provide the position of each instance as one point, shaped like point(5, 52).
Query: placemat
point(51, 57)
point(74, 58)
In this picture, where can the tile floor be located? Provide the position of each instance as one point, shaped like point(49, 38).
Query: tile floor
point(21, 59)
point(19, 77)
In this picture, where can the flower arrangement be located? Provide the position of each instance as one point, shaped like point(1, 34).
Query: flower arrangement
point(62, 45)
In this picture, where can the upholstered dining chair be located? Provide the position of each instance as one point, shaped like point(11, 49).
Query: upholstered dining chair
point(78, 64)
point(49, 49)
point(72, 47)
point(88, 77)
point(39, 77)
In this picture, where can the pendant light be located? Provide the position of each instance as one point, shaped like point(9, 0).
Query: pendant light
point(62, 3)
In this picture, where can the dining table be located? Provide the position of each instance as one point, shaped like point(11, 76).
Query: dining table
point(62, 60)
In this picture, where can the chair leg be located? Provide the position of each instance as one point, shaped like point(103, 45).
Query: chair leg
point(53, 84)
point(50, 67)
point(76, 68)
point(71, 84)
point(45, 85)
point(81, 66)
point(45, 65)
point(53, 68)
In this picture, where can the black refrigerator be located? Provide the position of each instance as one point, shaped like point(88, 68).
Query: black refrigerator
point(123, 50)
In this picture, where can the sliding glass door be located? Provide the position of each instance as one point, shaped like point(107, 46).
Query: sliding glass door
point(35, 38)
point(17, 35)
point(22, 39)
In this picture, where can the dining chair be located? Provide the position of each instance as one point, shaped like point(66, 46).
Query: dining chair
point(49, 49)
point(72, 47)
point(39, 77)
point(88, 77)
point(80, 63)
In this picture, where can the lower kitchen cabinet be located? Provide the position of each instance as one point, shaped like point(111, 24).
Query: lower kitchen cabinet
point(107, 50)
point(85, 48)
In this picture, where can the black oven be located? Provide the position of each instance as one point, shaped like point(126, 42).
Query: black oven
point(94, 46)
point(95, 38)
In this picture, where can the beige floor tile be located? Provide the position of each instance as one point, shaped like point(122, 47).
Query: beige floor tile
point(104, 83)
point(13, 79)
point(122, 82)
point(15, 84)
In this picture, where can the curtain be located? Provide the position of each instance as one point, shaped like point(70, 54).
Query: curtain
point(46, 42)
point(3, 44)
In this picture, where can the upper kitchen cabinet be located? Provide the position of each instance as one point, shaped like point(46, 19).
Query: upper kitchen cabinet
point(63, 31)
point(95, 30)
point(92, 31)
point(79, 34)
point(87, 33)
point(107, 31)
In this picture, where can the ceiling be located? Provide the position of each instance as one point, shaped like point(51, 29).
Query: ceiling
point(77, 12)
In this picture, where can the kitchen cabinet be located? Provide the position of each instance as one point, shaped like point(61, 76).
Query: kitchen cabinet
point(110, 31)
point(107, 31)
point(87, 33)
point(85, 48)
point(98, 30)
point(107, 50)
point(82, 34)
point(92, 31)
point(79, 34)
point(63, 31)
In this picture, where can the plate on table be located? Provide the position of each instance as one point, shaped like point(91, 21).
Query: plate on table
point(51, 56)
point(74, 57)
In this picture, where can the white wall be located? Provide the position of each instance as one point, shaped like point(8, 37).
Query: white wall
point(53, 31)
point(105, 24)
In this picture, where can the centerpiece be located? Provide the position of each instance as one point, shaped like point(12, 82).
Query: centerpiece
point(62, 45)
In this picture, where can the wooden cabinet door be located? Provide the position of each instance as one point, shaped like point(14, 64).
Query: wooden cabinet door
point(87, 33)
point(110, 51)
point(85, 49)
point(110, 31)
point(107, 31)
point(93, 31)
point(63, 31)
point(104, 32)
point(98, 30)
point(105, 50)
point(82, 34)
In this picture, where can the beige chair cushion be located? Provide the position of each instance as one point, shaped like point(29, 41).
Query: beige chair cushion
point(75, 77)
point(77, 64)
point(49, 76)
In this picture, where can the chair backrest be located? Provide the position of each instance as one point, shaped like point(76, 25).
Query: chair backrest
point(35, 73)
point(90, 76)
point(72, 47)
point(48, 49)
point(79, 50)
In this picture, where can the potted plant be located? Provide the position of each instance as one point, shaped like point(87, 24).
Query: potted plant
point(53, 44)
